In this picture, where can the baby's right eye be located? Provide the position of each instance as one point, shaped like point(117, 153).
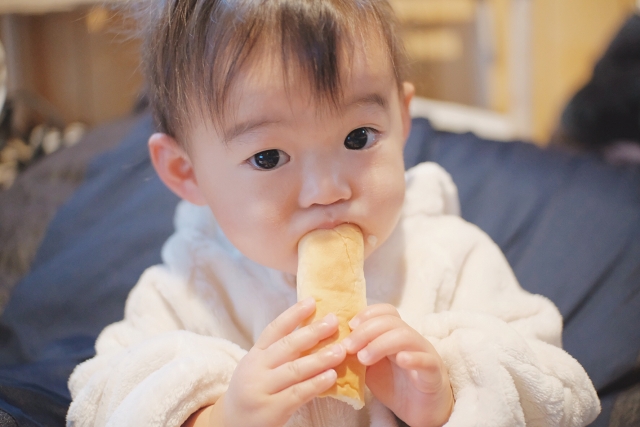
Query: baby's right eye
point(269, 159)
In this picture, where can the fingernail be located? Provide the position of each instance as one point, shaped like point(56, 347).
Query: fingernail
point(347, 343)
point(308, 302)
point(353, 323)
point(363, 356)
point(330, 375)
point(404, 357)
point(335, 349)
point(330, 319)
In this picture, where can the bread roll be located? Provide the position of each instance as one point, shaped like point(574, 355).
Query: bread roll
point(330, 269)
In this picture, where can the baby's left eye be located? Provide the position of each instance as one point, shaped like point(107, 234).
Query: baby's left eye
point(361, 138)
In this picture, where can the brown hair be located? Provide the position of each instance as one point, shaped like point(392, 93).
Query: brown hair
point(194, 48)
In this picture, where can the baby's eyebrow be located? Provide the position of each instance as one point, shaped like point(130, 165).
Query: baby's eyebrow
point(246, 126)
point(368, 99)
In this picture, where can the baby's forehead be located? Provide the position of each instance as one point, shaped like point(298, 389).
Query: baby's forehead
point(363, 67)
point(267, 83)
point(271, 101)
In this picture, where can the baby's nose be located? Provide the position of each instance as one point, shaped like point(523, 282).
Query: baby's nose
point(324, 186)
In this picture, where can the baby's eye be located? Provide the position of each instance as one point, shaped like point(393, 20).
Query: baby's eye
point(269, 159)
point(361, 138)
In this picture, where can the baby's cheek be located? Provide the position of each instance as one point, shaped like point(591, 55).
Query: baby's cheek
point(385, 204)
point(388, 192)
point(262, 234)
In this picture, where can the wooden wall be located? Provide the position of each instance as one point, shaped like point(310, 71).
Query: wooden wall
point(82, 62)
point(439, 36)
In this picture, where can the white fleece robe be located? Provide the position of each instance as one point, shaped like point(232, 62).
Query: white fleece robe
point(189, 321)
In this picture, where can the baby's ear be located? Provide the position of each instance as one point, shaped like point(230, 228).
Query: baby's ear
point(408, 91)
point(173, 165)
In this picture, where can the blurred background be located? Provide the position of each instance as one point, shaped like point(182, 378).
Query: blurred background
point(67, 65)
point(520, 58)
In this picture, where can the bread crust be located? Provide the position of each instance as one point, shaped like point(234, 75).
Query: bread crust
point(331, 270)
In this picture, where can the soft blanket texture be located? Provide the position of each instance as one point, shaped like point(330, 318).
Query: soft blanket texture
point(188, 322)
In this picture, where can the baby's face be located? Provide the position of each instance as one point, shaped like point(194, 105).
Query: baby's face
point(290, 166)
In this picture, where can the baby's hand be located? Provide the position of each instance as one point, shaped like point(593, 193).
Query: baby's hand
point(272, 381)
point(404, 371)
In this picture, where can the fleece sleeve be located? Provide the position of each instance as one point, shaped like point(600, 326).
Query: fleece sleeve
point(502, 345)
point(148, 371)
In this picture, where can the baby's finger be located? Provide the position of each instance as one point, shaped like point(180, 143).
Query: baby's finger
point(391, 343)
point(372, 311)
point(299, 370)
point(303, 392)
point(290, 347)
point(426, 370)
point(286, 323)
point(370, 330)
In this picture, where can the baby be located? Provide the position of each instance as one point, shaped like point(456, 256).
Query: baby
point(279, 117)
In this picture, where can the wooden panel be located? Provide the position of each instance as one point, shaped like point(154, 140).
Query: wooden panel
point(443, 64)
point(568, 37)
point(498, 94)
point(439, 38)
point(88, 72)
point(437, 45)
point(58, 59)
point(20, 63)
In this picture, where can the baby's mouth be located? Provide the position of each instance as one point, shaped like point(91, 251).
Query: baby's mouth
point(370, 239)
point(327, 225)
